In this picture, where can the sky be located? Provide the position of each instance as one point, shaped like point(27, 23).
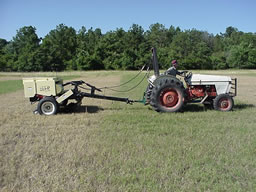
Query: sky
point(213, 16)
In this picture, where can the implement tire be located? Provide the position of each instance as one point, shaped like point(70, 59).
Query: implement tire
point(47, 106)
point(168, 95)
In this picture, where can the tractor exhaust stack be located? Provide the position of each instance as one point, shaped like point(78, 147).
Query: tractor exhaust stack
point(155, 62)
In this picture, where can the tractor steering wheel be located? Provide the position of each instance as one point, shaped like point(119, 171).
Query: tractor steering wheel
point(189, 75)
point(184, 73)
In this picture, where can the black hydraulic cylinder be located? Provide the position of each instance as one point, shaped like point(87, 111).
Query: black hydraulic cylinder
point(155, 62)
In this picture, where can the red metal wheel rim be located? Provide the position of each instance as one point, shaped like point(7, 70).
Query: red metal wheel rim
point(224, 104)
point(169, 98)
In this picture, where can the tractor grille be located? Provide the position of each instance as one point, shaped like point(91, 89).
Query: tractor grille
point(233, 90)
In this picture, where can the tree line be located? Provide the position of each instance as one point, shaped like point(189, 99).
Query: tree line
point(64, 48)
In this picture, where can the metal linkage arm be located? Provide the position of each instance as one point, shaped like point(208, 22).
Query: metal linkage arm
point(126, 100)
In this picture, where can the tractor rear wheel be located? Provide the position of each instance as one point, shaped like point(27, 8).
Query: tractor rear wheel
point(223, 102)
point(168, 95)
point(47, 106)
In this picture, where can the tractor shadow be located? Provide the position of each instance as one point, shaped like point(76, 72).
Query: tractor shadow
point(242, 106)
point(81, 109)
point(201, 108)
point(186, 108)
point(195, 108)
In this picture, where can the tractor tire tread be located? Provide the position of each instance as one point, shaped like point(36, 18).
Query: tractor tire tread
point(163, 83)
point(216, 104)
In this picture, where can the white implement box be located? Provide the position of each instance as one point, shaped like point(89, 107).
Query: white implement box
point(46, 86)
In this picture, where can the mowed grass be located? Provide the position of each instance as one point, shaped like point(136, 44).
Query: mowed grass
point(111, 146)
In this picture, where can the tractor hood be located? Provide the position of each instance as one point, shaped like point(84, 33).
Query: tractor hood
point(198, 79)
point(222, 83)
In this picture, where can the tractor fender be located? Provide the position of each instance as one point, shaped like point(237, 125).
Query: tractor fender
point(159, 78)
point(168, 95)
point(153, 81)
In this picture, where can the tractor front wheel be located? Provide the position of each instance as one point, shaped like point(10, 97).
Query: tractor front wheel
point(47, 106)
point(223, 102)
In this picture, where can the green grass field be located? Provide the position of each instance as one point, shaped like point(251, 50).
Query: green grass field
point(112, 146)
point(8, 86)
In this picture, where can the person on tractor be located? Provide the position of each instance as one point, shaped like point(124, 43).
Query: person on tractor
point(173, 70)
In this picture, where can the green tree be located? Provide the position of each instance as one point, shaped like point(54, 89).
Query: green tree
point(137, 49)
point(191, 50)
point(64, 49)
point(112, 49)
point(59, 48)
point(230, 30)
point(3, 43)
point(161, 38)
point(219, 60)
point(3, 62)
point(242, 56)
point(88, 54)
point(24, 47)
point(157, 35)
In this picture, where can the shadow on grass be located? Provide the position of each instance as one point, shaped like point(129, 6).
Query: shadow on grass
point(81, 109)
point(195, 108)
point(241, 106)
point(200, 108)
point(186, 108)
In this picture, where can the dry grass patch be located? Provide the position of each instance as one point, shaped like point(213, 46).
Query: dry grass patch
point(48, 153)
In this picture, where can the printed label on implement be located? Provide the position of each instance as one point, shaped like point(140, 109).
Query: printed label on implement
point(45, 88)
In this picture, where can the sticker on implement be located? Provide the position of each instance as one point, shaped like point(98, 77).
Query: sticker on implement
point(65, 96)
point(45, 88)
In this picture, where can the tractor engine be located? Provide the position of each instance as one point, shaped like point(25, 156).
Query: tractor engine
point(199, 91)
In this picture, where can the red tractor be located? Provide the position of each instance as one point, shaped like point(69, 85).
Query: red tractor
point(166, 93)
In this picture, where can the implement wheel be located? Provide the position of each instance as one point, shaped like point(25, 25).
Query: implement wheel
point(47, 106)
point(168, 95)
point(223, 102)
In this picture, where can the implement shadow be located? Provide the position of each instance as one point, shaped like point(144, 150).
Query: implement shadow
point(81, 109)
